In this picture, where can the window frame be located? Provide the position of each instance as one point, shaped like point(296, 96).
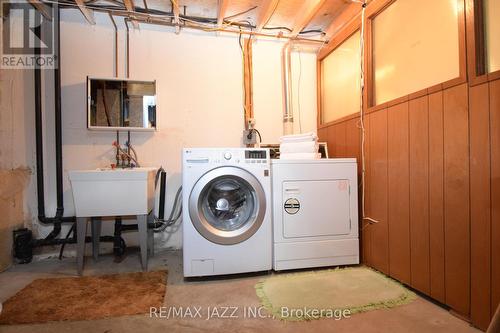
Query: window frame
point(375, 8)
point(476, 45)
point(340, 37)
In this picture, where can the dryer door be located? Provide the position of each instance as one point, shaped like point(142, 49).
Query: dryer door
point(227, 205)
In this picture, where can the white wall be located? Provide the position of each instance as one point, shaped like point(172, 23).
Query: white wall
point(199, 88)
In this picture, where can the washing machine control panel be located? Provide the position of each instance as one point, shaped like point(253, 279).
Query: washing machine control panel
point(197, 156)
point(256, 154)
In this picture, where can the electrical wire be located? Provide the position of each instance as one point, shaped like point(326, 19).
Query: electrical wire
point(258, 133)
point(249, 136)
point(272, 13)
point(277, 28)
point(162, 17)
point(319, 31)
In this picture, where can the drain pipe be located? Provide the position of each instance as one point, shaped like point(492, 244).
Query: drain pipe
point(286, 68)
point(58, 123)
point(58, 219)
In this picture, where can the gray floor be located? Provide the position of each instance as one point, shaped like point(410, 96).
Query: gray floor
point(237, 292)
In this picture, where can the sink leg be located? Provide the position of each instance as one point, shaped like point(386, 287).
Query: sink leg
point(96, 235)
point(151, 245)
point(81, 231)
point(143, 240)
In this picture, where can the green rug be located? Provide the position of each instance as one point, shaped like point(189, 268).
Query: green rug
point(335, 293)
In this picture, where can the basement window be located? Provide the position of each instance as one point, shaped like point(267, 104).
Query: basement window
point(415, 46)
point(340, 80)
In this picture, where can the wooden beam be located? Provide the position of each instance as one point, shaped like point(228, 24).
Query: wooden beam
point(175, 9)
point(129, 4)
point(221, 11)
point(343, 19)
point(305, 15)
point(86, 12)
point(266, 10)
point(248, 80)
point(42, 8)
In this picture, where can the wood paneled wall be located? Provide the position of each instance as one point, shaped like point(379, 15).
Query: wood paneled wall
point(433, 185)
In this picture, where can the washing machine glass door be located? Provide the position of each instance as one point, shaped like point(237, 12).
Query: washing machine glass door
point(227, 205)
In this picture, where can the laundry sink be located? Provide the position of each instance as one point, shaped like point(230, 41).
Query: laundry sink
point(113, 192)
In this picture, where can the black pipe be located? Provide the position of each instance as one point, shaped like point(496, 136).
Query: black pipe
point(117, 249)
point(58, 120)
point(38, 135)
point(58, 130)
point(163, 183)
point(58, 219)
point(72, 240)
point(24, 242)
point(129, 227)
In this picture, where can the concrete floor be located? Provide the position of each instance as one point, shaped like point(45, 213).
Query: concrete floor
point(419, 316)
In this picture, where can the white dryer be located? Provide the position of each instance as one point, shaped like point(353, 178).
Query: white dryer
point(315, 213)
point(227, 219)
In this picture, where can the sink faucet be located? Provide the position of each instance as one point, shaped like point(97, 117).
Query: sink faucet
point(124, 158)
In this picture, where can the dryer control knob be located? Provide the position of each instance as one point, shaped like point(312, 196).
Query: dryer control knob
point(227, 155)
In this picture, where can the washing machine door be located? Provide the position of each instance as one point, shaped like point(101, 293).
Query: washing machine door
point(227, 205)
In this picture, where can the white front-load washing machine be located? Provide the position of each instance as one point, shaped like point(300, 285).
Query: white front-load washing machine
point(315, 213)
point(227, 213)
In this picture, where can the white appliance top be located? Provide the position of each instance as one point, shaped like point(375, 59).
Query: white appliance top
point(314, 161)
point(231, 156)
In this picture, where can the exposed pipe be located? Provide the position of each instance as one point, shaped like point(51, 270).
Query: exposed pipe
point(143, 16)
point(116, 43)
point(24, 245)
point(286, 69)
point(38, 134)
point(126, 20)
point(58, 120)
point(58, 218)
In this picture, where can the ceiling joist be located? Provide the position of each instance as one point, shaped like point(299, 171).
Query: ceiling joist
point(221, 11)
point(302, 14)
point(129, 4)
point(341, 20)
point(266, 10)
point(42, 8)
point(86, 12)
point(305, 15)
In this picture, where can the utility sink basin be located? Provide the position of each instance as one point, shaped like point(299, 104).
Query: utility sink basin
point(113, 192)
